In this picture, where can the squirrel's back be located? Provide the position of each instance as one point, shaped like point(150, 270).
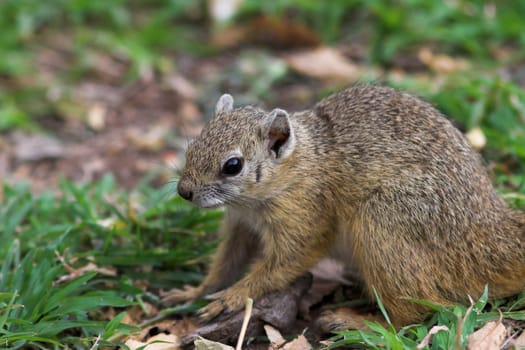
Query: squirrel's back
point(384, 137)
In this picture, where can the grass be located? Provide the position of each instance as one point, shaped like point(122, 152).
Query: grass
point(456, 322)
point(97, 224)
point(159, 240)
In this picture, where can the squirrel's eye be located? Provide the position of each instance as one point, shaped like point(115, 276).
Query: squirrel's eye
point(233, 166)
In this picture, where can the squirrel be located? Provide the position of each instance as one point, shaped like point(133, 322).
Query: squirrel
point(371, 176)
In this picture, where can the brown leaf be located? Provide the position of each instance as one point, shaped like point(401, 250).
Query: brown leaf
point(160, 341)
point(182, 86)
point(428, 337)
point(96, 116)
point(32, 147)
point(327, 276)
point(441, 63)
point(221, 11)
point(205, 344)
point(476, 138)
point(75, 273)
point(152, 139)
point(278, 309)
point(274, 336)
point(326, 63)
point(299, 343)
point(269, 31)
point(489, 337)
point(189, 112)
point(519, 342)
point(135, 314)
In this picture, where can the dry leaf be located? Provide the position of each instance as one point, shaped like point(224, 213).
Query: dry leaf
point(274, 336)
point(223, 10)
point(205, 344)
point(189, 112)
point(75, 273)
point(276, 32)
point(96, 116)
point(278, 309)
point(428, 337)
point(280, 32)
point(299, 343)
point(476, 138)
point(32, 147)
point(327, 276)
point(489, 337)
point(519, 342)
point(441, 63)
point(152, 139)
point(182, 86)
point(325, 63)
point(135, 315)
point(160, 341)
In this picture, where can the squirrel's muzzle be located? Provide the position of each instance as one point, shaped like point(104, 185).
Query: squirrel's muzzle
point(185, 190)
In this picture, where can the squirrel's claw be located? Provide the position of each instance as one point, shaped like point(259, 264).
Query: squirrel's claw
point(210, 311)
point(215, 296)
point(187, 294)
point(225, 302)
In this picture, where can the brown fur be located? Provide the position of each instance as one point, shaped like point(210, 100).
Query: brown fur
point(375, 177)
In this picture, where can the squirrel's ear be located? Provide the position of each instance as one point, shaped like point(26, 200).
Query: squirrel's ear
point(225, 104)
point(278, 131)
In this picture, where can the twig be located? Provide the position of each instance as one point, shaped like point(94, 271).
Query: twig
point(95, 344)
point(245, 321)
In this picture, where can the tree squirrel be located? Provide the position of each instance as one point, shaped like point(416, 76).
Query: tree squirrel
point(371, 176)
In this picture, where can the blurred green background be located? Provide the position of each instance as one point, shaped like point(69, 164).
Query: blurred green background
point(467, 57)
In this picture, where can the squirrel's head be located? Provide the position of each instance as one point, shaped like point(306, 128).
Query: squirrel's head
point(238, 157)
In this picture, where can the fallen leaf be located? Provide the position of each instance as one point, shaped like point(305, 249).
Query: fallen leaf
point(489, 337)
point(278, 309)
point(221, 11)
point(160, 341)
point(182, 86)
point(281, 32)
point(96, 116)
point(133, 344)
point(276, 32)
point(189, 112)
point(327, 276)
point(519, 342)
point(177, 328)
point(75, 273)
point(136, 314)
point(33, 147)
point(428, 337)
point(205, 344)
point(152, 139)
point(325, 63)
point(476, 138)
point(326, 342)
point(441, 63)
point(274, 336)
point(112, 223)
point(299, 343)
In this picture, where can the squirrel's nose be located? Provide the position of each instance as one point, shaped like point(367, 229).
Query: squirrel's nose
point(184, 191)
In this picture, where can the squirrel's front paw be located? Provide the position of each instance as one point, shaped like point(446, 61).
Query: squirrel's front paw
point(225, 302)
point(175, 296)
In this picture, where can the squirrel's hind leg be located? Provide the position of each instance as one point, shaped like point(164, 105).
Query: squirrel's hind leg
point(345, 318)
